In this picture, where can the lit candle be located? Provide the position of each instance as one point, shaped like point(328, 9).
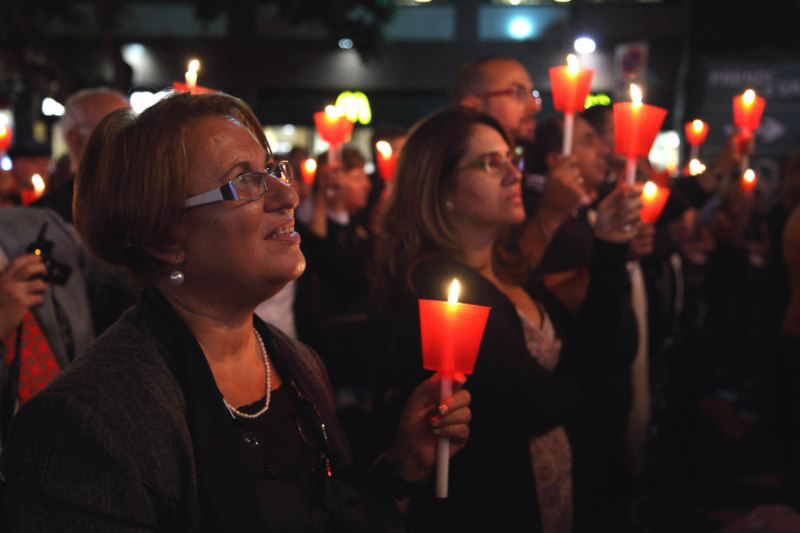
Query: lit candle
point(696, 132)
point(696, 167)
point(191, 73)
point(386, 160)
point(635, 128)
point(308, 169)
point(451, 335)
point(749, 180)
point(748, 108)
point(570, 85)
point(6, 135)
point(30, 195)
point(654, 198)
point(334, 128)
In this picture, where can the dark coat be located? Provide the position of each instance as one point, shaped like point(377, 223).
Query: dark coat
point(134, 436)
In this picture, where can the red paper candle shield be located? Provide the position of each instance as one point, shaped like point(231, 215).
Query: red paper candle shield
point(749, 180)
point(654, 198)
point(636, 127)
point(6, 135)
point(571, 86)
point(696, 132)
point(181, 87)
point(386, 159)
point(451, 335)
point(747, 110)
point(334, 129)
point(308, 170)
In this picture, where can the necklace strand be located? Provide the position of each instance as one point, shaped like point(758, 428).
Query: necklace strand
point(268, 386)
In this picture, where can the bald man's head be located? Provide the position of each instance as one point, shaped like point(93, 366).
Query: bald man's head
point(84, 111)
point(501, 87)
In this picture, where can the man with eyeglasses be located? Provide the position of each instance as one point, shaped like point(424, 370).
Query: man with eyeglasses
point(502, 88)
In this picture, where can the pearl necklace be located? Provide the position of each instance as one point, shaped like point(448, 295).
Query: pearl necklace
point(268, 386)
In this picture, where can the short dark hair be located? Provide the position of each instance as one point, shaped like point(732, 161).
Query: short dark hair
point(471, 79)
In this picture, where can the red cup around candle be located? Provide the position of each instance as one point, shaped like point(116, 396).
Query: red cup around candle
point(308, 170)
point(636, 127)
point(747, 112)
point(451, 335)
point(386, 159)
point(181, 87)
point(654, 198)
point(6, 136)
point(335, 130)
point(696, 132)
point(570, 88)
point(749, 180)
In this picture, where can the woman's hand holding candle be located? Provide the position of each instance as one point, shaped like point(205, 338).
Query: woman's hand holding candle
point(618, 215)
point(424, 421)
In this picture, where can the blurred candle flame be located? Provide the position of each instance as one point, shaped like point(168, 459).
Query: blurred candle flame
point(38, 183)
point(573, 65)
point(384, 148)
point(636, 95)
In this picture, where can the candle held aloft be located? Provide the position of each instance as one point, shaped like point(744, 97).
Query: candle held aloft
point(749, 180)
point(334, 128)
point(451, 335)
point(191, 73)
point(386, 160)
point(654, 198)
point(636, 125)
point(748, 109)
point(308, 170)
point(29, 195)
point(696, 132)
point(570, 85)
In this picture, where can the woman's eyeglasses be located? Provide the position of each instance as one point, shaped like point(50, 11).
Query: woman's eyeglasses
point(248, 186)
point(495, 163)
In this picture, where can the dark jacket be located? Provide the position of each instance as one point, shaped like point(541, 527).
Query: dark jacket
point(134, 435)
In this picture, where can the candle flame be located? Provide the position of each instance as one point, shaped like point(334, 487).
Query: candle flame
point(749, 97)
point(455, 290)
point(310, 165)
point(384, 148)
point(650, 190)
point(698, 125)
point(696, 167)
point(194, 65)
point(3, 130)
point(332, 113)
point(749, 175)
point(636, 95)
point(38, 183)
point(573, 65)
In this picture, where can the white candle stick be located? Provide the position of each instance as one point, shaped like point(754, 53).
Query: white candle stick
point(443, 446)
point(630, 171)
point(569, 126)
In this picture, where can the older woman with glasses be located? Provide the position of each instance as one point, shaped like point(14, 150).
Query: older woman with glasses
point(190, 413)
point(456, 198)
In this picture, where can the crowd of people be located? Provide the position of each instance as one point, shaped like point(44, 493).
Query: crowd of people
point(195, 339)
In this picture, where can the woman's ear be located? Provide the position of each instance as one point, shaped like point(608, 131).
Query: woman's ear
point(173, 252)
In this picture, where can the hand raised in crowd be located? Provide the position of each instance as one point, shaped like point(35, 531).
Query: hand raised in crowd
point(642, 242)
point(618, 216)
point(424, 420)
point(563, 190)
point(327, 193)
point(18, 292)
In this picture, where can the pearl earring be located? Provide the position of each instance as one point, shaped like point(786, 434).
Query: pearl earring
point(449, 205)
point(176, 277)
